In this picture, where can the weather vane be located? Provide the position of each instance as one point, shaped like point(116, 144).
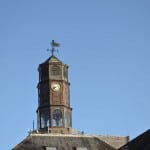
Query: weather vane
point(53, 44)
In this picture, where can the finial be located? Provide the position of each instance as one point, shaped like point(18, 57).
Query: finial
point(53, 44)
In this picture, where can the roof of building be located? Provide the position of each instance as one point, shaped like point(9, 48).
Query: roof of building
point(62, 142)
point(52, 58)
point(142, 142)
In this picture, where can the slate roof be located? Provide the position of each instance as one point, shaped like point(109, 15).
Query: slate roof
point(142, 142)
point(52, 59)
point(62, 142)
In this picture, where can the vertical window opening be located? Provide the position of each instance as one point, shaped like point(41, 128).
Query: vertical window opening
point(44, 119)
point(74, 148)
point(57, 117)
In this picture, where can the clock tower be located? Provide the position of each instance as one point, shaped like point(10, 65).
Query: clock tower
point(54, 115)
point(54, 111)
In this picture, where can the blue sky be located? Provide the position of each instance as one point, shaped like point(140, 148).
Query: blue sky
point(106, 45)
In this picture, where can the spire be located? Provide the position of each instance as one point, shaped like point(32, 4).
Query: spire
point(53, 44)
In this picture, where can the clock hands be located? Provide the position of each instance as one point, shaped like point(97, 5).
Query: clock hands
point(55, 87)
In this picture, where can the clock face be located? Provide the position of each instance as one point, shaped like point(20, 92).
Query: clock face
point(55, 86)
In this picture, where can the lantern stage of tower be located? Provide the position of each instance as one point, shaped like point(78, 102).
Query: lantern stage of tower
point(54, 113)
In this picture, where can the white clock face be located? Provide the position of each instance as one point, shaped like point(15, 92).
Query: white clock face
point(55, 86)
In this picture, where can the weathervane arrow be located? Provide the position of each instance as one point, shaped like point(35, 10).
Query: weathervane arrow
point(53, 44)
